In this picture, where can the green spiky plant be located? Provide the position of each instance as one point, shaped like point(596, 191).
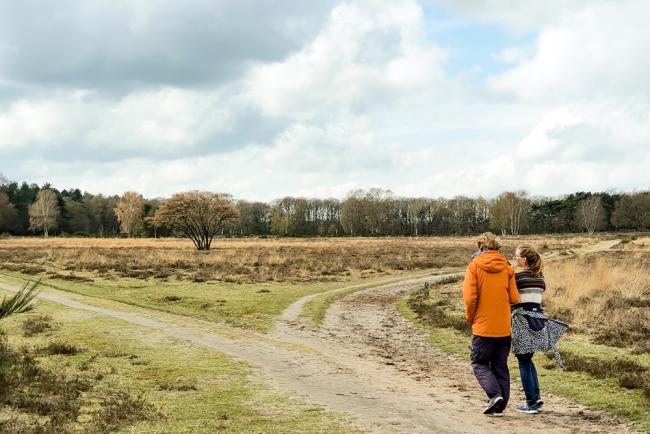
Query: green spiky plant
point(19, 302)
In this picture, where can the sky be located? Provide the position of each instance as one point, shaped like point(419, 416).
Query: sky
point(264, 99)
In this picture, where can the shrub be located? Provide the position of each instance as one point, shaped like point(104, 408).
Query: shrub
point(120, 409)
point(628, 373)
point(437, 313)
point(179, 385)
point(37, 391)
point(63, 348)
point(37, 324)
point(171, 298)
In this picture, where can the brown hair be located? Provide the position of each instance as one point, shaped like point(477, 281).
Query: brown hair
point(488, 241)
point(533, 259)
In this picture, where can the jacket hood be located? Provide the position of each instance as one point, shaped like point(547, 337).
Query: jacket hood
point(492, 261)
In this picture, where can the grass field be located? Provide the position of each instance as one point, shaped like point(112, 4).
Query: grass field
point(605, 297)
point(154, 384)
point(243, 282)
point(89, 373)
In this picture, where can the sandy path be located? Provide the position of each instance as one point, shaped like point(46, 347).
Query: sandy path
point(368, 362)
point(373, 339)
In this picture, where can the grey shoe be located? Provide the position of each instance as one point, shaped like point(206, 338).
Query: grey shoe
point(539, 403)
point(525, 408)
point(493, 403)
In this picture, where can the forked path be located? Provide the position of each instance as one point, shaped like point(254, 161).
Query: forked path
point(368, 362)
point(421, 388)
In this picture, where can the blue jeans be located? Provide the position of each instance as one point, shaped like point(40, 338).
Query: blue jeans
point(528, 375)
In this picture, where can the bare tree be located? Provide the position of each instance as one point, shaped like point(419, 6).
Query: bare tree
point(354, 213)
point(590, 214)
point(129, 212)
point(3, 180)
point(509, 212)
point(416, 210)
point(44, 213)
point(200, 215)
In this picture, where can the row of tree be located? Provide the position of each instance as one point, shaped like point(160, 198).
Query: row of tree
point(30, 209)
point(379, 212)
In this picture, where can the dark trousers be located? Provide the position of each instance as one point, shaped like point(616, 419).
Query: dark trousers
point(528, 375)
point(489, 358)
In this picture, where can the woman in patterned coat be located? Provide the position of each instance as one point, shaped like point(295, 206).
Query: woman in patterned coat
point(531, 331)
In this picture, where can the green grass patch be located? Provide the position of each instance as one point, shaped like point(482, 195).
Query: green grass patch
point(602, 389)
point(316, 308)
point(249, 306)
point(140, 380)
point(447, 339)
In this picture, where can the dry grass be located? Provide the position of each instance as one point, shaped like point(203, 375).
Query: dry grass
point(635, 243)
point(246, 260)
point(234, 261)
point(606, 294)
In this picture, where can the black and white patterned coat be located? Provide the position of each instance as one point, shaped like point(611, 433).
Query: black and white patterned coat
point(532, 332)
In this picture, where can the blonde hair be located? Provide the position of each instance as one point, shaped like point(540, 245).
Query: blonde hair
point(488, 241)
point(533, 259)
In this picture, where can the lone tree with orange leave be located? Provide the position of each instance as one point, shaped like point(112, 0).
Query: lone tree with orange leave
point(44, 213)
point(129, 212)
point(200, 215)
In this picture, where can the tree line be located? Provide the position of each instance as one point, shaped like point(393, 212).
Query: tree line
point(31, 209)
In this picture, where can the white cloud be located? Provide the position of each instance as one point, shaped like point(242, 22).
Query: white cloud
point(539, 143)
point(161, 122)
point(362, 101)
point(121, 45)
point(587, 147)
point(368, 53)
point(591, 53)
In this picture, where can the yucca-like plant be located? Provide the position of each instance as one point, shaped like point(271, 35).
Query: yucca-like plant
point(19, 302)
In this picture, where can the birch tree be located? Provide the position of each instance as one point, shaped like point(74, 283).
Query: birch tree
point(44, 213)
point(590, 214)
point(129, 212)
point(509, 212)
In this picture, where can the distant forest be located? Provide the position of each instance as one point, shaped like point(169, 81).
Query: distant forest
point(25, 210)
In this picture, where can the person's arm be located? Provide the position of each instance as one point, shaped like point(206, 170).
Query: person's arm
point(513, 292)
point(470, 293)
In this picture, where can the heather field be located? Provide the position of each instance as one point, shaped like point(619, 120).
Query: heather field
point(249, 260)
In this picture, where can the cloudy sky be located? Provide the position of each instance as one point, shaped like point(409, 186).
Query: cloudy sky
point(263, 98)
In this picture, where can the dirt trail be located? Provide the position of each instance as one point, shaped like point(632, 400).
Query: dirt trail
point(600, 246)
point(368, 362)
point(370, 337)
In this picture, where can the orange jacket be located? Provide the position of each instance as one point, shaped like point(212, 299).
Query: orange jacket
point(488, 292)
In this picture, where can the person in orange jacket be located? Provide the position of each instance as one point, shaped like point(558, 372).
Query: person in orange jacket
point(488, 292)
